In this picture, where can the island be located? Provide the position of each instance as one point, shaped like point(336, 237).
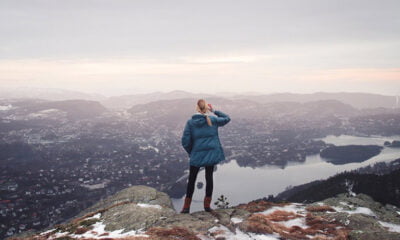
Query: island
point(394, 143)
point(350, 153)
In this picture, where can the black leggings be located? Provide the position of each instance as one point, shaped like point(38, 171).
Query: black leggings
point(192, 180)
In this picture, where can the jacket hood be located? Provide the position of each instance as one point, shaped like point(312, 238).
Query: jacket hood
point(199, 119)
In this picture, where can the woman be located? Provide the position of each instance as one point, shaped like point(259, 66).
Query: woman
point(200, 140)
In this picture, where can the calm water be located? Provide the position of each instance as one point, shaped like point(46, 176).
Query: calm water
point(243, 184)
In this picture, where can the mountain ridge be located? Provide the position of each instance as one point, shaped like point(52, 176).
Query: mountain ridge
point(356, 99)
point(141, 212)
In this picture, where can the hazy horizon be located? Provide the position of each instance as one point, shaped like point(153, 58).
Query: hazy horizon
point(127, 93)
point(125, 47)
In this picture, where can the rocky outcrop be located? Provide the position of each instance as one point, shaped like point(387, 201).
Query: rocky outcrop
point(141, 212)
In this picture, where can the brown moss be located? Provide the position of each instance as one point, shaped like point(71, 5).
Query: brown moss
point(258, 206)
point(257, 223)
point(218, 232)
point(318, 227)
point(323, 208)
point(280, 215)
point(174, 233)
point(81, 230)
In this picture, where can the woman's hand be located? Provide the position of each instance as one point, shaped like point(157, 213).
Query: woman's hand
point(210, 107)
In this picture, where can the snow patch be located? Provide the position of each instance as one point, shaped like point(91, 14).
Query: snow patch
point(145, 205)
point(224, 233)
point(59, 234)
point(236, 220)
point(96, 216)
point(360, 210)
point(294, 208)
point(99, 229)
point(346, 204)
point(391, 226)
point(300, 222)
point(48, 231)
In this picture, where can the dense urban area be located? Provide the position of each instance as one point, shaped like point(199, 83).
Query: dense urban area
point(59, 157)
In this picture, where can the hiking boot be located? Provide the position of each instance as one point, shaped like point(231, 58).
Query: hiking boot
point(207, 202)
point(186, 205)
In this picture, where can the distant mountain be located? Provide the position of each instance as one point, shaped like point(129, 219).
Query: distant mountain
point(178, 110)
point(52, 94)
point(357, 100)
point(127, 101)
point(73, 109)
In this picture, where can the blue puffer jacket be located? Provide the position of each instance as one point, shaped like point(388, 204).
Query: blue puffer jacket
point(201, 141)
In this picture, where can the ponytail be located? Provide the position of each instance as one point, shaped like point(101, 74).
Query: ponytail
point(202, 108)
point(208, 121)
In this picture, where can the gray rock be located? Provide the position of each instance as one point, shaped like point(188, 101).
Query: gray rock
point(198, 221)
point(365, 227)
point(358, 235)
point(134, 217)
point(384, 213)
point(135, 194)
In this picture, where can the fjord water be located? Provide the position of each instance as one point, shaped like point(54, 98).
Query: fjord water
point(243, 184)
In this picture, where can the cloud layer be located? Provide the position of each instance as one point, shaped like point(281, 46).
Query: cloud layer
point(267, 46)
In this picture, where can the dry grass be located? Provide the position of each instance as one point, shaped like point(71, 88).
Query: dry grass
point(175, 233)
point(81, 230)
point(259, 206)
point(280, 215)
point(317, 226)
point(323, 208)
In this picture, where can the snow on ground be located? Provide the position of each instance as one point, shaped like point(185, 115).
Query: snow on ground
point(346, 204)
point(361, 210)
point(301, 222)
point(59, 235)
point(391, 226)
point(96, 216)
point(48, 231)
point(236, 220)
point(145, 205)
point(294, 208)
point(224, 233)
point(99, 229)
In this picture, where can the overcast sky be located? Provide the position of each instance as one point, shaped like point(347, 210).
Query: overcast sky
point(116, 47)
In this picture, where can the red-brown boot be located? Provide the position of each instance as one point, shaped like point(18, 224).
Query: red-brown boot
point(186, 205)
point(207, 203)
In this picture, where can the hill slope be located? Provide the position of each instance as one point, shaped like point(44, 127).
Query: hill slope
point(384, 188)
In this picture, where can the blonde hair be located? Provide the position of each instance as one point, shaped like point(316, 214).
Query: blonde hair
point(202, 108)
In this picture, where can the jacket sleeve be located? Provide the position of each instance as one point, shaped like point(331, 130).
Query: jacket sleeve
point(187, 139)
point(222, 118)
